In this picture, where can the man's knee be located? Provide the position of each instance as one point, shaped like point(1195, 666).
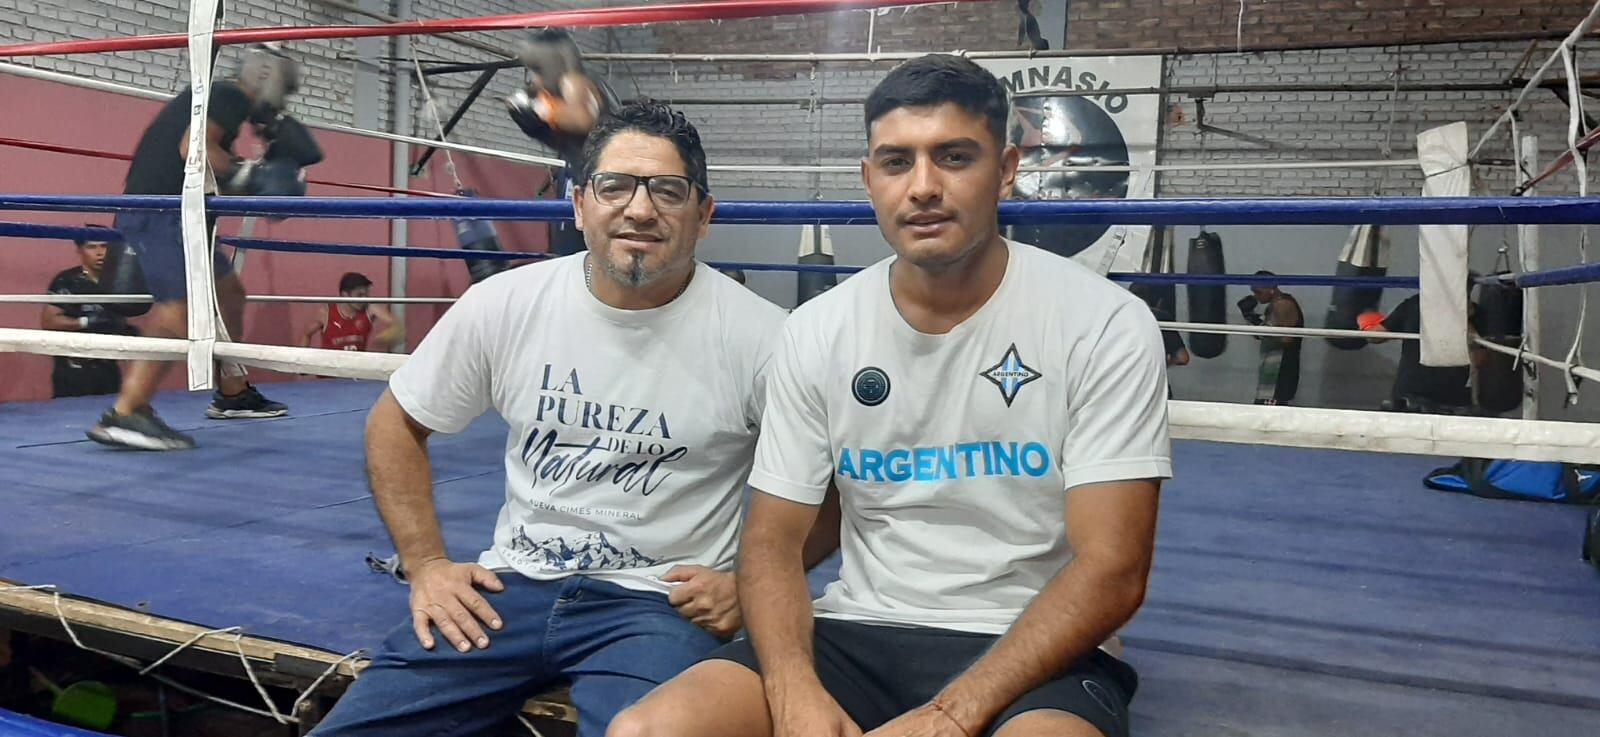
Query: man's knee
point(677, 707)
point(168, 320)
point(640, 720)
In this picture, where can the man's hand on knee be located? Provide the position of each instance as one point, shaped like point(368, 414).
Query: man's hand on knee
point(443, 596)
point(706, 597)
point(811, 713)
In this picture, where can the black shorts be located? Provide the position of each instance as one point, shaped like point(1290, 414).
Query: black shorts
point(877, 673)
point(157, 238)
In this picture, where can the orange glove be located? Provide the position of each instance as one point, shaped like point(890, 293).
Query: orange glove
point(1370, 320)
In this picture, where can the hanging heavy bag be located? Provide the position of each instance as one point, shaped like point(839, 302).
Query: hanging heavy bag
point(479, 235)
point(1366, 253)
point(1499, 382)
point(1207, 303)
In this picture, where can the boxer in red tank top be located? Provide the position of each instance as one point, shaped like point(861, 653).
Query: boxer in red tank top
point(347, 326)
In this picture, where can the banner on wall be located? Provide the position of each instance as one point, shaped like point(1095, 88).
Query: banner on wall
point(1097, 130)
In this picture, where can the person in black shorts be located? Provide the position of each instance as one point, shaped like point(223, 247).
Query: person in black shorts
point(558, 107)
point(151, 254)
point(991, 419)
point(1417, 388)
point(78, 377)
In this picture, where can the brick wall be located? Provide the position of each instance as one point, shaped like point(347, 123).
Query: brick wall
point(1110, 24)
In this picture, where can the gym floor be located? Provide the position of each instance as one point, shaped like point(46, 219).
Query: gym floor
point(1296, 592)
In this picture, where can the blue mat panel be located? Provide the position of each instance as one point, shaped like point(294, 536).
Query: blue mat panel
point(1296, 592)
point(13, 724)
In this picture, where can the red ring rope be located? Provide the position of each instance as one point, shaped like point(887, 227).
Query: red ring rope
point(60, 149)
point(629, 15)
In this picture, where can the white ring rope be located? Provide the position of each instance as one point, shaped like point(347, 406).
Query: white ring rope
point(1574, 442)
point(1565, 367)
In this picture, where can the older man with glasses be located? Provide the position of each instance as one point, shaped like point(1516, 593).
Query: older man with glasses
point(631, 379)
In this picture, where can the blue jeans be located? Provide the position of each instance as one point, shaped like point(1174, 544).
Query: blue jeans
point(612, 644)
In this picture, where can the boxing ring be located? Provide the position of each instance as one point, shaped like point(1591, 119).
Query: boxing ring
point(1345, 599)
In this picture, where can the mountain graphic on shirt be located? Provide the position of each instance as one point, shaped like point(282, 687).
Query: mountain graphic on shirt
point(587, 552)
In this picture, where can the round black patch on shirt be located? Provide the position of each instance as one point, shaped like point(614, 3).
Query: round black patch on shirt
point(871, 386)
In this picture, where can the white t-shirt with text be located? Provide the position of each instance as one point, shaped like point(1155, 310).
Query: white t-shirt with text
point(953, 453)
point(631, 431)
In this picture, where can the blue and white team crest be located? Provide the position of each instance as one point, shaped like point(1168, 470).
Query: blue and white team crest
point(1010, 374)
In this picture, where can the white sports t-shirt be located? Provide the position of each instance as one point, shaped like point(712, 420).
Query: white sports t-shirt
point(632, 431)
point(953, 453)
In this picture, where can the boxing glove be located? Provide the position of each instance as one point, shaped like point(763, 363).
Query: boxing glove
point(1369, 320)
point(289, 140)
point(1247, 309)
point(276, 179)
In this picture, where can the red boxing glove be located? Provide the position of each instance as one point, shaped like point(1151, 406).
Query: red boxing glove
point(1370, 320)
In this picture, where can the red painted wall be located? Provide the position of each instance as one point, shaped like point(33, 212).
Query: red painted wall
point(73, 116)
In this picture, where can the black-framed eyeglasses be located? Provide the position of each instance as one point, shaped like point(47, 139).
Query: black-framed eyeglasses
point(667, 191)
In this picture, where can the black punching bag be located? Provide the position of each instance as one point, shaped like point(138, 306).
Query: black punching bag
point(479, 235)
point(122, 274)
point(1366, 253)
point(1207, 303)
point(1500, 386)
point(816, 248)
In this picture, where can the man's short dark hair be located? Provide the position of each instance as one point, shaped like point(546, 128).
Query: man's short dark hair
point(935, 79)
point(352, 281)
point(81, 242)
point(651, 119)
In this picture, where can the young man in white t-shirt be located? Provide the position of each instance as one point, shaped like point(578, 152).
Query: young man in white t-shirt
point(631, 378)
point(994, 419)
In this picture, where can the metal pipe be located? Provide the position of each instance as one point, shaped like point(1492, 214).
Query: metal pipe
point(400, 157)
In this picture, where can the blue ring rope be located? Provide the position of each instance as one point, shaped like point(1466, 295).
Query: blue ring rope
point(33, 230)
point(1255, 211)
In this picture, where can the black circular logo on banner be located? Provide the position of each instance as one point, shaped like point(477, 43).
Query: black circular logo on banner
point(1071, 131)
point(871, 386)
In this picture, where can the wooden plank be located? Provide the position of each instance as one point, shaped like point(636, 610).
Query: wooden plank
point(267, 654)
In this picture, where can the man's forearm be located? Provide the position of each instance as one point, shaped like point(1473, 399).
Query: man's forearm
point(1078, 610)
point(776, 603)
point(402, 483)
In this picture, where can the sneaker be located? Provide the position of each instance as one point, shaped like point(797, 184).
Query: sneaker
point(248, 404)
point(142, 430)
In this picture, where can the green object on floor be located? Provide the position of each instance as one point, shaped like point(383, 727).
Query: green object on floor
point(89, 704)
